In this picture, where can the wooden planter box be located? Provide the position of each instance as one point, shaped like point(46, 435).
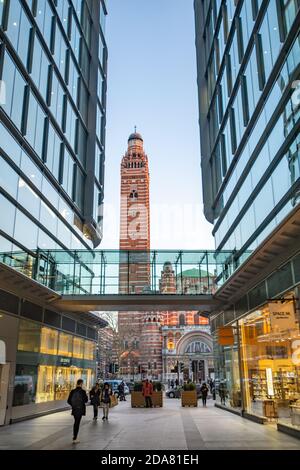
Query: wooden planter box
point(157, 399)
point(138, 401)
point(189, 398)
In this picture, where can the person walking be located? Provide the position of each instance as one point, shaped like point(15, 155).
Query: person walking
point(77, 400)
point(222, 393)
point(121, 390)
point(204, 393)
point(147, 393)
point(213, 391)
point(105, 399)
point(95, 399)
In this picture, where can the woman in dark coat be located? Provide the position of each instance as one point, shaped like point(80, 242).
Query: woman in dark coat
point(95, 399)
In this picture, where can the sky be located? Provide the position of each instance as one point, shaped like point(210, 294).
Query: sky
point(152, 85)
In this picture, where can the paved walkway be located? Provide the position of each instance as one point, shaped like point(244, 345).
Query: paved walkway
point(169, 428)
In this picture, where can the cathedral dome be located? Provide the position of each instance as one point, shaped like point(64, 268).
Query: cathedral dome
point(135, 136)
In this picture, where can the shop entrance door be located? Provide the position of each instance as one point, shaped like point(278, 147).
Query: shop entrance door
point(4, 377)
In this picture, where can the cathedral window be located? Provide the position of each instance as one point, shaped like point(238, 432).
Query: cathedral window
point(133, 194)
point(182, 319)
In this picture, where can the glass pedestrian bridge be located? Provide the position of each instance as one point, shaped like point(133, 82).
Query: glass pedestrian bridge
point(113, 272)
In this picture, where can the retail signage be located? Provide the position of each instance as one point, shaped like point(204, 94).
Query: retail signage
point(282, 316)
point(2, 352)
point(225, 336)
point(65, 361)
point(269, 377)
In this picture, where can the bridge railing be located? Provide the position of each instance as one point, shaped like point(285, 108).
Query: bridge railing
point(104, 272)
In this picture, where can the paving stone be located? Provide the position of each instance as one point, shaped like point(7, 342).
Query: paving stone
point(168, 428)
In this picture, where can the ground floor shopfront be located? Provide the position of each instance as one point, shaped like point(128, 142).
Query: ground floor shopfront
point(257, 355)
point(42, 355)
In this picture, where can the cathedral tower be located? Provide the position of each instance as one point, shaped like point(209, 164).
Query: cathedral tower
point(135, 218)
point(134, 273)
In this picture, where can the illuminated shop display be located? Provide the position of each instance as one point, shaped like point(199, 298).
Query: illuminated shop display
point(49, 362)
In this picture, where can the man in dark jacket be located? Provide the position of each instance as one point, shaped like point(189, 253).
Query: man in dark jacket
point(204, 393)
point(77, 400)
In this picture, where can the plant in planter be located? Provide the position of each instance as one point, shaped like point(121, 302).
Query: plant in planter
point(157, 396)
point(137, 387)
point(189, 395)
point(157, 386)
point(189, 387)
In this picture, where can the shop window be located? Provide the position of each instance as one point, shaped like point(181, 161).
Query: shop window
point(65, 345)
point(296, 265)
point(78, 348)
point(52, 318)
point(64, 381)
point(271, 384)
point(258, 295)
point(29, 336)
point(89, 350)
point(32, 311)
point(68, 324)
point(25, 385)
point(281, 280)
point(49, 341)
point(9, 302)
point(45, 385)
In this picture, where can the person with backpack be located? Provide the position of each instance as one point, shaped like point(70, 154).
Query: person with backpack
point(121, 390)
point(105, 399)
point(77, 400)
point(95, 399)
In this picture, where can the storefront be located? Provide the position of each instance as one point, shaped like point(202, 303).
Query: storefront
point(270, 359)
point(257, 362)
point(48, 364)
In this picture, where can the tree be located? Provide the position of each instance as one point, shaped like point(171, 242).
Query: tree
point(123, 348)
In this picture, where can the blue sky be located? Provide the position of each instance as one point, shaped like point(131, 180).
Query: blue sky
point(152, 84)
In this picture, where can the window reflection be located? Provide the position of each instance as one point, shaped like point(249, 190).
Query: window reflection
point(29, 336)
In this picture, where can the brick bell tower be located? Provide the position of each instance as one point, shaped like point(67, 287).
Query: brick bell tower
point(134, 273)
point(135, 218)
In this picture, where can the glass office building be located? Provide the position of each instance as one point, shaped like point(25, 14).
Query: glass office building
point(53, 69)
point(53, 60)
point(248, 64)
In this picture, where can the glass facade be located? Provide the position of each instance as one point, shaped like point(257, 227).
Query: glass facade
point(227, 370)
point(249, 121)
point(49, 362)
point(257, 350)
point(271, 372)
point(47, 143)
point(259, 371)
point(248, 56)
